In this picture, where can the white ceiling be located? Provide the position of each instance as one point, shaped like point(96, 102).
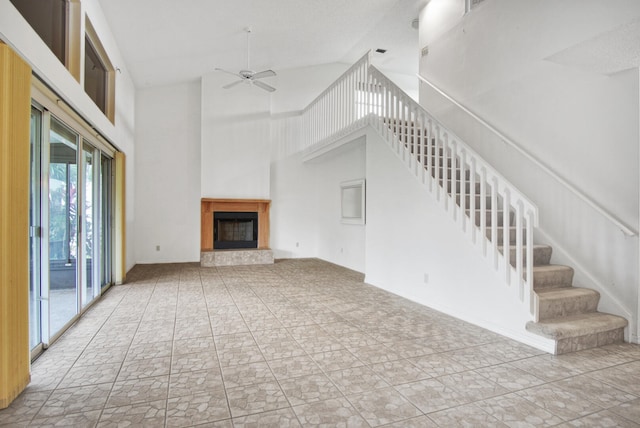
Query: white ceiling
point(607, 53)
point(172, 41)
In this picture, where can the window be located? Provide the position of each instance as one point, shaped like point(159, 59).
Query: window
point(49, 20)
point(99, 74)
point(95, 76)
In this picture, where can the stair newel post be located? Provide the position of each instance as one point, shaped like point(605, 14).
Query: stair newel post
point(420, 136)
point(377, 96)
point(328, 110)
point(463, 188)
point(417, 143)
point(529, 267)
point(454, 179)
point(439, 175)
point(334, 104)
point(412, 135)
point(339, 112)
point(519, 254)
point(369, 91)
point(396, 122)
point(494, 220)
point(309, 124)
point(483, 209)
point(403, 129)
point(354, 96)
point(429, 158)
point(409, 135)
point(386, 114)
point(472, 199)
point(506, 239)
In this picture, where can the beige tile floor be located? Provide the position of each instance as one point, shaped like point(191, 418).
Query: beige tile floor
point(306, 343)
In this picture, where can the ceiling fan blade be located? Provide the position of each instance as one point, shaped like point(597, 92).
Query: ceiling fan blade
point(264, 86)
point(263, 74)
point(226, 71)
point(232, 84)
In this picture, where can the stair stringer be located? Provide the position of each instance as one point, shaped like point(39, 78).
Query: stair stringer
point(458, 282)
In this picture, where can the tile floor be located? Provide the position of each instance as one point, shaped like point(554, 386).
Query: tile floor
point(306, 343)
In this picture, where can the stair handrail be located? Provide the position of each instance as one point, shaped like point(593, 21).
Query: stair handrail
point(626, 229)
point(363, 96)
point(364, 60)
point(436, 155)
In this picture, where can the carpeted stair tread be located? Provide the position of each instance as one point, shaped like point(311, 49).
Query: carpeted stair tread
point(566, 301)
point(552, 276)
point(541, 254)
point(577, 325)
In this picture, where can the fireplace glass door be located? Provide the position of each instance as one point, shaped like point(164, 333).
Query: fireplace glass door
point(235, 230)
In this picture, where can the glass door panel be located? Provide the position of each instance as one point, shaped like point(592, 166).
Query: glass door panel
point(35, 309)
point(105, 223)
point(63, 221)
point(88, 220)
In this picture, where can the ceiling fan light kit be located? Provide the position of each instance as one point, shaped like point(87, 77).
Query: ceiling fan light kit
point(249, 76)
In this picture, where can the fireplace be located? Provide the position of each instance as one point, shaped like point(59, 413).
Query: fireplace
point(235, 230)
point(210, 208)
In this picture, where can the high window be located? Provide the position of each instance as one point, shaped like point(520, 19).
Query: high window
point(95, 76)
point(49, 19)
point(99, 73)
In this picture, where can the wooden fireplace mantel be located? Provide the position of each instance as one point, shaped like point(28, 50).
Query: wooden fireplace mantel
point(209, 206)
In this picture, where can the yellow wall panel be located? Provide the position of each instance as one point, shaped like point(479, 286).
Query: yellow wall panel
point(15, 105)
point(120, 220)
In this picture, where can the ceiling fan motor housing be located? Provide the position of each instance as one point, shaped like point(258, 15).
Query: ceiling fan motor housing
point(246, 74)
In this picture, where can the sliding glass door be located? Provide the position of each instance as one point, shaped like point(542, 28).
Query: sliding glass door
point(70, 261)
point(35, 228)
point(106, 228)
point(63, 225)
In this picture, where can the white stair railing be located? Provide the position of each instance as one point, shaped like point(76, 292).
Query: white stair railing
point(492, 212)
point(338, 110)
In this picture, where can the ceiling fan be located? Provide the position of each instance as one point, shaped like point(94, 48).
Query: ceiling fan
point(249, 76)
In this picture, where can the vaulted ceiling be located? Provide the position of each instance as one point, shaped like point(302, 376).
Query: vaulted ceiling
point(166, 41)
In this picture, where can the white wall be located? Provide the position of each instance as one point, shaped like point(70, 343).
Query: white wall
point(18, 34)
point(306, 206)
point(415, 250)
point(297, 87)
point(294, 208)
point(236, 145)
point(529, 79)
point(342, 244)
point(168, 174)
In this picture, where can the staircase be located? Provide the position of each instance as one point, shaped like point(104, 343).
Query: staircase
point(566, 314)
point(492, 212)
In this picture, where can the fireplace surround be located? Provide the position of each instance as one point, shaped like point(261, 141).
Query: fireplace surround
point(213, 255)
